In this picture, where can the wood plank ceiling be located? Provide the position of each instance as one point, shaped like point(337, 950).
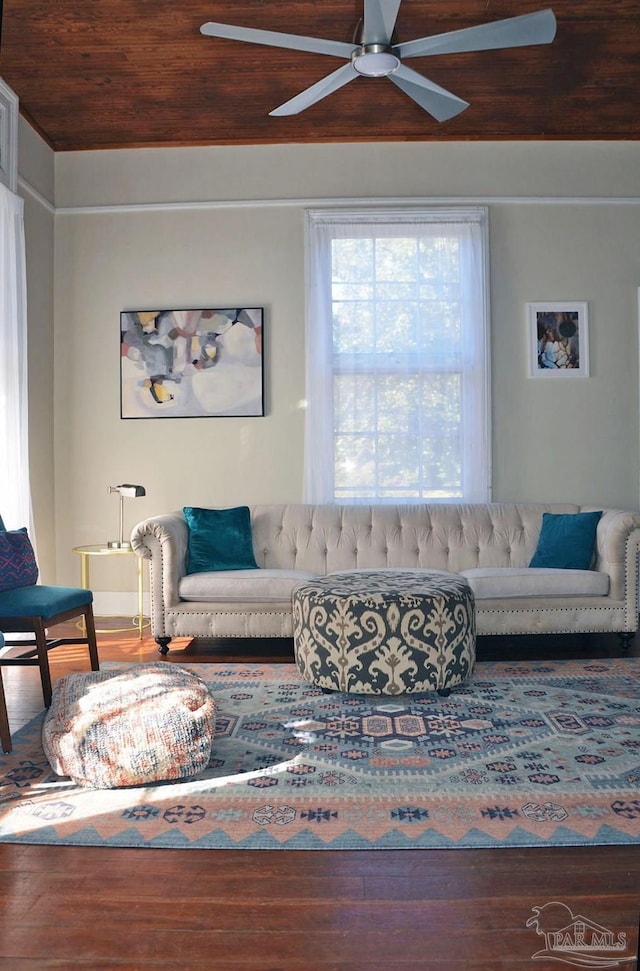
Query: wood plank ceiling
point(136, 73)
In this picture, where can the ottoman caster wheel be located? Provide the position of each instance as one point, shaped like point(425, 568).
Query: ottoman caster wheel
point(444, 692)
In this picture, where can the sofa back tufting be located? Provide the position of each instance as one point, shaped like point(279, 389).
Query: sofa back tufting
point(450, 537)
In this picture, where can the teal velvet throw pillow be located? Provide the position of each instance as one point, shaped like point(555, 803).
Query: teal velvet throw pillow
point(18, 567)
point(566, 541)
point(219, 539)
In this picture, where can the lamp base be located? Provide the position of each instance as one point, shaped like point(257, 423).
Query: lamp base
point(118, 545)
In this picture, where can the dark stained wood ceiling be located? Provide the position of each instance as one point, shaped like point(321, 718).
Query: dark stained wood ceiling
point(95, 74)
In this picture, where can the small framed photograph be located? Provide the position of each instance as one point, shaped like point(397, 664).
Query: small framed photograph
point(558, 340)
point(192, 363)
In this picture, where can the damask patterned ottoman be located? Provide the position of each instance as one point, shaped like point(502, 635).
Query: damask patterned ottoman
point(386, 632)
point(148, 723)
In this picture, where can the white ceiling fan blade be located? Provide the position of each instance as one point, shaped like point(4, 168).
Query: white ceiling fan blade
point(317, 91)
point(273, 38)
point(379, 20)
point(435, 100)
point(532, 28)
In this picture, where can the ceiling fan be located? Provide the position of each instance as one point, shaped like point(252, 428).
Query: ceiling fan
point(376, 55)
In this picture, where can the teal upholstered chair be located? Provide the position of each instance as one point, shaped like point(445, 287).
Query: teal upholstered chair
point(33, 608)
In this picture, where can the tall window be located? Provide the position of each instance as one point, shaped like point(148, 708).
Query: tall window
point(397, 356)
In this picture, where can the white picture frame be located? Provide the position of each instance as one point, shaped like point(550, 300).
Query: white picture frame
point(558, 338)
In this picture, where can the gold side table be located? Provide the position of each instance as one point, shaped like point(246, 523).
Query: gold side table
point(139, 622)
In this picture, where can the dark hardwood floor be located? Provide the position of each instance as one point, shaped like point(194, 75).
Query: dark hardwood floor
point(101, 908)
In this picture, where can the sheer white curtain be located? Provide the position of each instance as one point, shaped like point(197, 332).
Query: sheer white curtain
point(15, 493)
point(397, 356)
point(318, 434)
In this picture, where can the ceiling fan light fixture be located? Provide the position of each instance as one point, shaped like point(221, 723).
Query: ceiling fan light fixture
point(375, 60)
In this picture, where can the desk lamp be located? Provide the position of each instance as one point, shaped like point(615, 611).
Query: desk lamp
point(125, 491)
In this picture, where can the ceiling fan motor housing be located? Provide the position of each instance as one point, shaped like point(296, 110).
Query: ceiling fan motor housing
point(375, 60)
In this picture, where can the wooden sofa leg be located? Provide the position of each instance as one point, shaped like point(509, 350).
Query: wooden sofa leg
point(163, 644)
point(625, 639)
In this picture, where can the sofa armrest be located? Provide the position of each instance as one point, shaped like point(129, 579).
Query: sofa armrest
point(163, 541)
point(617, 552)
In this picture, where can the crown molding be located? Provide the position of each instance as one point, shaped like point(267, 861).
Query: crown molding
point(322, 203)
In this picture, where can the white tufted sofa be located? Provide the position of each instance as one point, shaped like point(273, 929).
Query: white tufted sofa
point(491, 544)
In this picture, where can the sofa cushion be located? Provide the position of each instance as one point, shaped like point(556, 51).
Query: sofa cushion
point(243, 586)
point(504, 582)
point(566, 542)
point(219, 539)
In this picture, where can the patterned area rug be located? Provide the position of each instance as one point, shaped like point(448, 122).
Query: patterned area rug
point(524, 754)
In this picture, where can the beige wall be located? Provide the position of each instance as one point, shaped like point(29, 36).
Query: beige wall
point(390, 170)
point(225, 227)
point(161, 260)
point(573, 440)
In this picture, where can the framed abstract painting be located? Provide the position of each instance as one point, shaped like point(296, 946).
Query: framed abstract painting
point(192, 363)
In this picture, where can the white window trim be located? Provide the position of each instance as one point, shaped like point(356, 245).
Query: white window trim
point(8, 137)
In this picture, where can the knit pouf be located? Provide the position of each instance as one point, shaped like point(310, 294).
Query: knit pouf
point(148, 723)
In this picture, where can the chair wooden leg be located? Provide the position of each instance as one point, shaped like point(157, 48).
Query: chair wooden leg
point(40, 645)
point(43, 659)
point(5, 734)
point(90, 628)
